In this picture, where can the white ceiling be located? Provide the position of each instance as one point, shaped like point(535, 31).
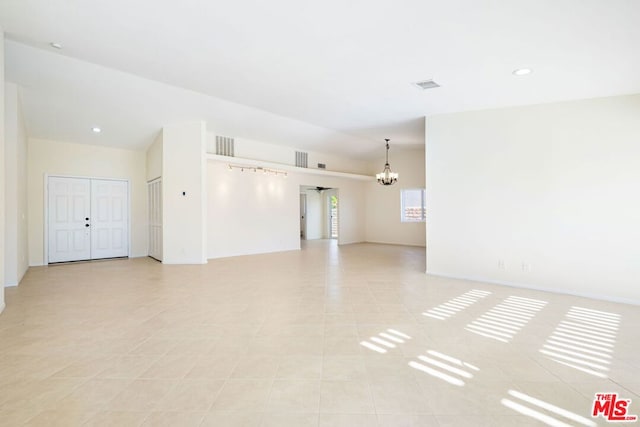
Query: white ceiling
point(331, 75)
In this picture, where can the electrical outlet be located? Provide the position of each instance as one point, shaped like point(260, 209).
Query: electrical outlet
point(501, 264)
point(526, 267)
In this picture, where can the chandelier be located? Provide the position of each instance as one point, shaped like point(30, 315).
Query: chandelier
point(386, 177)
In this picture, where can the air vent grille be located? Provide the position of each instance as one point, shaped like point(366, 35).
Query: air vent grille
point(225, 146)
point(302, 159)
point(427, 84)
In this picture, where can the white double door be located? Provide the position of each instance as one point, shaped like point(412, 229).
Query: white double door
point(87, 219)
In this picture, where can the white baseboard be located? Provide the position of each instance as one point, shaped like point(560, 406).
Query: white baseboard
point(395, 244)
point(539, 288)
point(2, 306)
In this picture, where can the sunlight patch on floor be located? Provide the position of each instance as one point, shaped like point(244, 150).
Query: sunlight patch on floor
point(454, 305)
point(506, 319)
point(584, 340)
point(389, 339)
point(444, 367)
point(535, 406)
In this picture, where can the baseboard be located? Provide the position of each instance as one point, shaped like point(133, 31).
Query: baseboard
point(270, 251)
point(395, 244)
point(353, 242)
point(539, 288)
point(2, 306)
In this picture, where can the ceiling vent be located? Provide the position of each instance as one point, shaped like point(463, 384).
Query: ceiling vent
point(427, 84)
point(302, 159)
point(225, 146)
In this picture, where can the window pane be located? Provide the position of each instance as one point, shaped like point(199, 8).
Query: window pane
point(413, 198)
point(412, 205)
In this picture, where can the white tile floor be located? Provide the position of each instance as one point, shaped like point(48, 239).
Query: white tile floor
point(350, 336)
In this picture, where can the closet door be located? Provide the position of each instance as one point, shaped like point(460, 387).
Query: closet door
point(69, 205)
point(109, 218)
point(155, 219)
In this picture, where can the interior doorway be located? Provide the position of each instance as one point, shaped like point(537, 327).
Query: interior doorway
point(318, 212)
point(333, 215)
point(87, 218)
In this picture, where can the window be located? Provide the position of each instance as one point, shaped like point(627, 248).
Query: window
point(412, 207)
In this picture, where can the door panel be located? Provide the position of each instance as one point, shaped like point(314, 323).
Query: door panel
point(69, 205)
point(303, 216)
point(109, 225)
point(155, 219)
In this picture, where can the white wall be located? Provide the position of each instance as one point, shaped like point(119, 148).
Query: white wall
point(62, 158)
point(2, 173)
point(252, 213)
point(383, 202)
point(154, 159)
point(258, 150)
point(553, 187)
point(184, 202)
point(16, 253)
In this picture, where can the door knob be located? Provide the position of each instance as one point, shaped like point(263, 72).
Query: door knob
point(86, 219)
point(86, 225)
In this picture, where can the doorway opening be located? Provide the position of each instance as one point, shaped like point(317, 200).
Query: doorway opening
point(333, 216)
point(318, 212)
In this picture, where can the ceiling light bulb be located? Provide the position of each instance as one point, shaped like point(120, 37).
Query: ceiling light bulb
point(55, 45)
point(522, 71)
point(96, 129)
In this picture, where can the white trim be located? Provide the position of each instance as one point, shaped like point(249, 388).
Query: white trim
point(539, 288)
point(2, 306)
point(46, 209)
point(129, 217)
point(413, 245)
point(45, 238)
point(149, 183)
point(286, 167)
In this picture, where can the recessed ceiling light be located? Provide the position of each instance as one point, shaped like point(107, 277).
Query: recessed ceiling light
point(522, 71)
point(55, 45)
point(96, 129)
